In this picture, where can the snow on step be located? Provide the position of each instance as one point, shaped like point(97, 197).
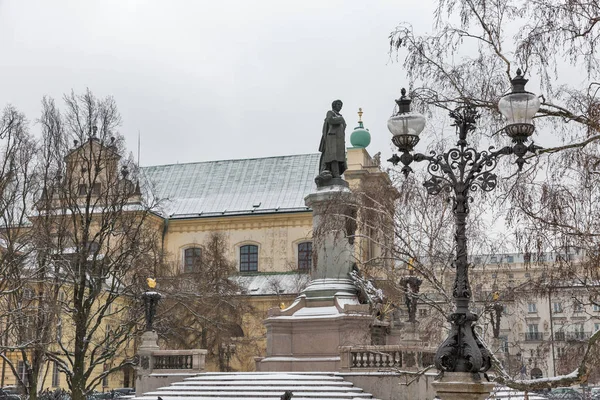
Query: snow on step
point(259, 386)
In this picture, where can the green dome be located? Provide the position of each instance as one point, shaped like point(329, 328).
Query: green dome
point(360, 137)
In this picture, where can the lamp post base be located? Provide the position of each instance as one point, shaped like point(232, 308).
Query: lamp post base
point(462, 386)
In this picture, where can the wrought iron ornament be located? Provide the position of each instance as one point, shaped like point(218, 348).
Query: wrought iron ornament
point(458, 172)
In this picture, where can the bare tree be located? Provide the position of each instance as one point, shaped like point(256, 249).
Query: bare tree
point(204, 307)
point(94, 239)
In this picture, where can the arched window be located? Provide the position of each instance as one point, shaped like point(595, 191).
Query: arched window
point(248, 258)
point(191, 259)
point(305, 256)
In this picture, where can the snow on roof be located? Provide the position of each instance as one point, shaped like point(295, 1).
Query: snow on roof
point(232, 187)
point(272, 283)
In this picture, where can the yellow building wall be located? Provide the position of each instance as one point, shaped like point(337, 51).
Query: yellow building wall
point(276, 235)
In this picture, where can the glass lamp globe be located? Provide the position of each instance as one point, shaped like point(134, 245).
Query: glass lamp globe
point(406, 126)
point(519, 107)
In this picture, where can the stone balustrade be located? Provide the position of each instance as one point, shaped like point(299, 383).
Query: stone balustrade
point(384, 357)
point(178, 360)
point(158, 368)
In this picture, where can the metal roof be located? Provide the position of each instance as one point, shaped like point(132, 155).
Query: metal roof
point(234, 187)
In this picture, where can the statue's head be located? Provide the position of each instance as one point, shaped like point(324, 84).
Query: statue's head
point(337, 105)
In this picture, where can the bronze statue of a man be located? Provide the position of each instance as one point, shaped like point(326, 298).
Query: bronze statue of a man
point(333, 142)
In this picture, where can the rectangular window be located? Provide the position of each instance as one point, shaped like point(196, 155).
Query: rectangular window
point(532, 333)
point(503, 344)
point(105, 377)
point(578, 332)
point(596, 326)
point(596, 307)
point(305, 256)
point(248, 258)
point(494, 260)
point(22, 372)
point(531, 308)
point(557, 307)
point(192, 257)
point(96, 189)
point(577, 307)
point(55, 375)
point(82, 190)
point(510, 259)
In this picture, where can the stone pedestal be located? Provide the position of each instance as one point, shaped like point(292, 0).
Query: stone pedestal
point(145, 366)
point(307, 335)
point(462, 386)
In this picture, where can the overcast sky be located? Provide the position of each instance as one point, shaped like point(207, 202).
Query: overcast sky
point(207, 80)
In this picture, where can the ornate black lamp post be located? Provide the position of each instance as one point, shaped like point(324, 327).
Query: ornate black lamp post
point(496, 315)
point(150, 298)
point(459, 171)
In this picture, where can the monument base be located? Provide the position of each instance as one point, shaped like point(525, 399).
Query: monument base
point(307, 335)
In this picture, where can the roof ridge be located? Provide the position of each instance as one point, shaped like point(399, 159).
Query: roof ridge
point(231, 159)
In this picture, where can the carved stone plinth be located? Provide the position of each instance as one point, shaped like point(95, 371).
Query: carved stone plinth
point(462, 386)
point(334, 225)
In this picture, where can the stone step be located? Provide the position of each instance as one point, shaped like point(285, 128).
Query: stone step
point(302, 386)
point(264, 397)
point(262, 376)
point(259, 386)
point(195, 384)
point(253, 393)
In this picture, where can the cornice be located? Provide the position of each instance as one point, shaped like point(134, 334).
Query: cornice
point(242, 222)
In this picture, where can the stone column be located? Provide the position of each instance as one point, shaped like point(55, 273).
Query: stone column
point(462, 386)
point(334, 226)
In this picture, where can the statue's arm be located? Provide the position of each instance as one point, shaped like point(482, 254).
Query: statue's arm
point(333, 119)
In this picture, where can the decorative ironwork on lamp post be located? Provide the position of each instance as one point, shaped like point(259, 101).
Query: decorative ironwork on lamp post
point(459, 171)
